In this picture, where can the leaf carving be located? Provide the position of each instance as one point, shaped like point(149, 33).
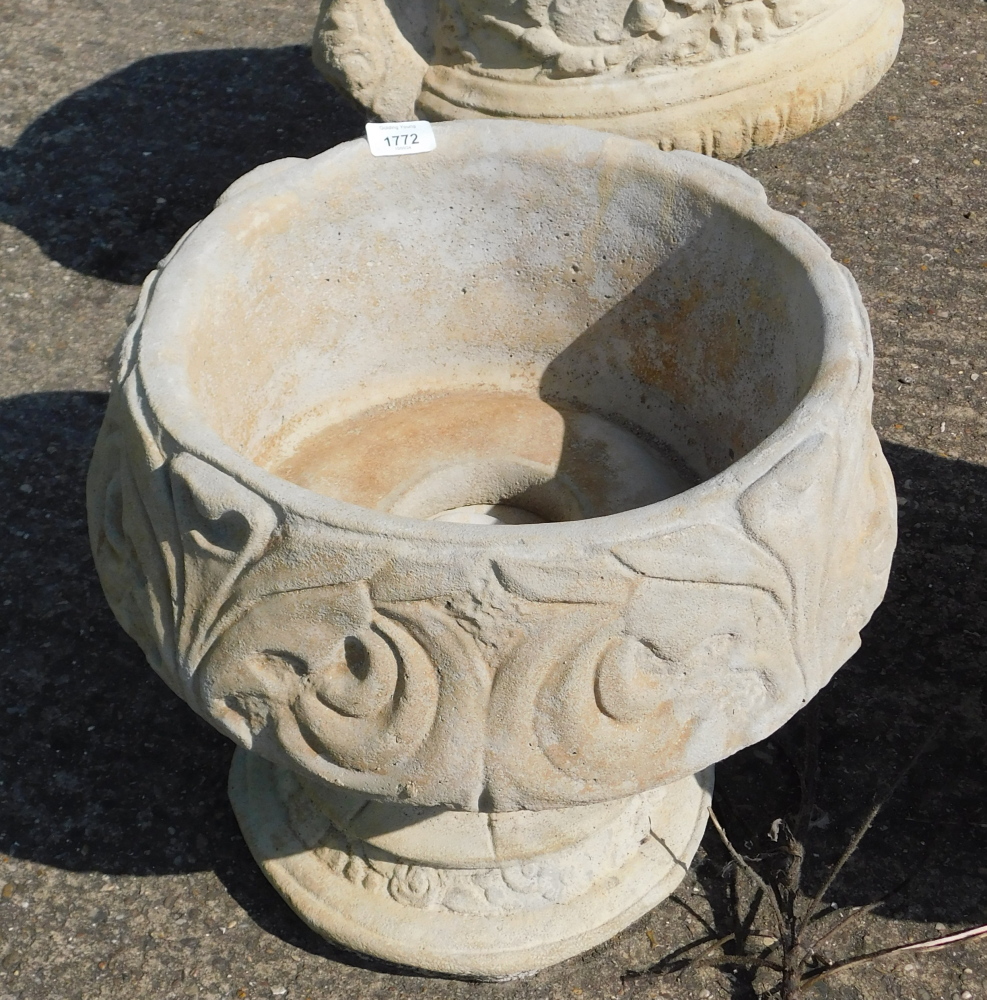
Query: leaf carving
point(793, 508)
point(223, 527)
point(708, 553)
point(583, 583)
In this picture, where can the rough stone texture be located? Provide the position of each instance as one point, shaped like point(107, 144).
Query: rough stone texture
point(713, 76)
point(124, 864)
point(677, 331)
point(484, 895)
point(295, 351)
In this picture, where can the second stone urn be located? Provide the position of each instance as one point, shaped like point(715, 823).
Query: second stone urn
point(712, 76)
point(485, 498)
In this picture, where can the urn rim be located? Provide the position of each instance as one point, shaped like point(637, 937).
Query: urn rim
point(843, 370)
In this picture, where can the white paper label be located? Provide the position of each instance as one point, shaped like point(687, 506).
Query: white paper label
point(398, 138)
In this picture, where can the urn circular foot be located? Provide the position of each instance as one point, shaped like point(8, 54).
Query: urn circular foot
point(477, 895)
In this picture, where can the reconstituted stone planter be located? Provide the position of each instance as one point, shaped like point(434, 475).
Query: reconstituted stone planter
point(712, 76)
point(486, 498)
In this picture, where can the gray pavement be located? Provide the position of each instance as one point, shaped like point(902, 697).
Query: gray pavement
point(122, 873)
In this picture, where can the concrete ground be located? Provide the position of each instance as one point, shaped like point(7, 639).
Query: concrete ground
point(122, 873)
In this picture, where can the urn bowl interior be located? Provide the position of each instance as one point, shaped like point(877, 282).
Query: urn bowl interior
point(528, 324)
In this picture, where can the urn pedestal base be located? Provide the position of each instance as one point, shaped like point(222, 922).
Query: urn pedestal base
point(477, 895)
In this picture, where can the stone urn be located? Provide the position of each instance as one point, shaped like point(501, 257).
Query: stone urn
point(712, 76)
point(485, 498)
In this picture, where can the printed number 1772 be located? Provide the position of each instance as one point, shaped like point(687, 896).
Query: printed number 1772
point(408, 139)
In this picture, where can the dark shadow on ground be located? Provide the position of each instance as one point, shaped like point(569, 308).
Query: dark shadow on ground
point(104, 769)
point(106, 180)
point(922, 667)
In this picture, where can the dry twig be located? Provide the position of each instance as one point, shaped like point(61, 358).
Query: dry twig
point(795, 954)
